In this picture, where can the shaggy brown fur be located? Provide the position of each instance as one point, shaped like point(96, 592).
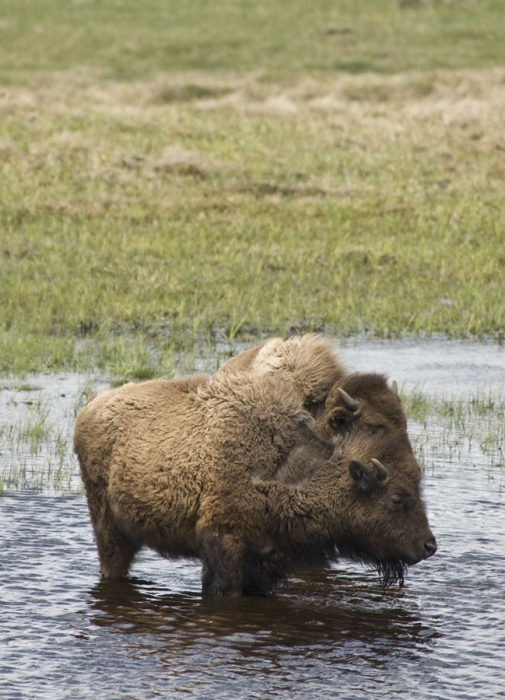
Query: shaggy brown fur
point(379, 410)
point(168, 466)
point(308, 363)
point(310, 367)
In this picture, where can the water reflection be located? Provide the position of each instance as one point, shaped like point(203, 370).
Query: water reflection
point(322, 612)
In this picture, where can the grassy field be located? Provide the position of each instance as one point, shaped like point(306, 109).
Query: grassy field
point(176, 173)
point(127, 39)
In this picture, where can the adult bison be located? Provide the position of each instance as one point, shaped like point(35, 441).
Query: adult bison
point(188, 469)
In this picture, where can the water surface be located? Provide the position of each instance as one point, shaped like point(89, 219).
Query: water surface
point(64, 633)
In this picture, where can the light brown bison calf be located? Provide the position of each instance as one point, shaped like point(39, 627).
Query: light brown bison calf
point(168, 466)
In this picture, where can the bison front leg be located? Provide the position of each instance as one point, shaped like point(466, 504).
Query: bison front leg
point(232, 568)
point(222, 558)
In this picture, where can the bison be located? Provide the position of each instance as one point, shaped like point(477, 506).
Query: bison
point(188, 468)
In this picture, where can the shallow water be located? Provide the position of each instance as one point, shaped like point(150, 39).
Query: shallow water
point(326, 634)
point(455, 368)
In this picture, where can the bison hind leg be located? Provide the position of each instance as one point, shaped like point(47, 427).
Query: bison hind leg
point(116, 551)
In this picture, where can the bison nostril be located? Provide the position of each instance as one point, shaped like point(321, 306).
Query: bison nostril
point(430, 547)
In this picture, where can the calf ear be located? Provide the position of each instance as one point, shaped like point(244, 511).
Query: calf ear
point(362, 476)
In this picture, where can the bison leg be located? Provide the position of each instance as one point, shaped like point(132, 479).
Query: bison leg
point(265, 568)
point(231, 568)
point(116, 551)
point(222, 559)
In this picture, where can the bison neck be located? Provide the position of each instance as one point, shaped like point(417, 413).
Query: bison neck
point(312, 517)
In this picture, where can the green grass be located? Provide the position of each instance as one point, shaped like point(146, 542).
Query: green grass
point(125, 39)
point(174, 174)
point(30, 446)
point(36, 439)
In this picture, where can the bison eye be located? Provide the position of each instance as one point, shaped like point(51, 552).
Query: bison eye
point(397, 499)
point(375, 429)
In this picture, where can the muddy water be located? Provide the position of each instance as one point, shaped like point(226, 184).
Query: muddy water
point(327, 634)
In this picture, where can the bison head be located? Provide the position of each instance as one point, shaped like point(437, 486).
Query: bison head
point(385, 523)
point(362, 402)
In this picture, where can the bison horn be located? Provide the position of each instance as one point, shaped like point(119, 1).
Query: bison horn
point(349, 402)
point(382, 472)
point(395, 387)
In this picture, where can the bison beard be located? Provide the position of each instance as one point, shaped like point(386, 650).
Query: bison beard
point(389, 572)
point(264, 572)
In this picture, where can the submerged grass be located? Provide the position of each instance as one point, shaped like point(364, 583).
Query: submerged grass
point(36, 440)
point(470, 428)
point(34, 451)
point(175, 174)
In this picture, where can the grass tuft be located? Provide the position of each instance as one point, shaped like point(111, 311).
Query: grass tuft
point(470, 428)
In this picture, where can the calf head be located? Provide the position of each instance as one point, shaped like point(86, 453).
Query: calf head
point(385, 517)
point(362, 402)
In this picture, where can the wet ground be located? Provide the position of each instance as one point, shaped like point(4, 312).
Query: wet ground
point(327, 634)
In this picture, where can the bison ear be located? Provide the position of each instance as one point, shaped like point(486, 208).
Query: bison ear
point(364, 479)
point(339, 421)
